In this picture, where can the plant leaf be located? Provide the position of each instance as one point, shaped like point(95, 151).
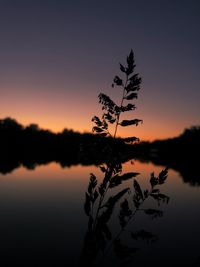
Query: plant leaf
point(118, 81)
point(97, 129)
point(114, 199)
point(160, 197)
point(130, 122)
point(154, 213)
point(131, 96)
point(153, 180)
point(128, 107)
point(144, 235)
point(108, 104)
point(122, 68)
point(87, 205)
point(118, 179)
point(124, 213)
point(138, 189)
point(162, 176)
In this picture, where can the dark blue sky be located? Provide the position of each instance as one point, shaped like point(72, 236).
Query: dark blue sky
point(56, 56)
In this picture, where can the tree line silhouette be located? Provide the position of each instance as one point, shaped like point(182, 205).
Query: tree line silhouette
point(31, 146)
point(180, 153)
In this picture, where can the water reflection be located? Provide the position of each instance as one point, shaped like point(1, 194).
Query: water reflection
point(42, 216)
point(99, 206)
point(188, 169)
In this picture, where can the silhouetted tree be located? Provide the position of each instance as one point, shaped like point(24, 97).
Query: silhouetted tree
point(10, 124)
point(180, 153)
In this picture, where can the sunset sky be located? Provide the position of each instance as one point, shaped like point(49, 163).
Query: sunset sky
point(57, 56)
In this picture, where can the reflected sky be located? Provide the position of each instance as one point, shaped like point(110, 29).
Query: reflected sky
point(42, 210)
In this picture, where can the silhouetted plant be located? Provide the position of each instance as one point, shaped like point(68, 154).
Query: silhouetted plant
point(98, 207)
point(130, 85)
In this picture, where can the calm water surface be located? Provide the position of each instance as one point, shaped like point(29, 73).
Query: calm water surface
point(43, 222)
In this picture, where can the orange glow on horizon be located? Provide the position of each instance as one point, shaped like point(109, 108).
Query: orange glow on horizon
point(56, 112)
point(83, 125)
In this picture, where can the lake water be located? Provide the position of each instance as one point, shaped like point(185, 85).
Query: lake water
point(42, 219)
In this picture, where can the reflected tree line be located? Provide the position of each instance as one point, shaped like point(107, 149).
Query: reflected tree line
point(31, 146)
point(179, 153)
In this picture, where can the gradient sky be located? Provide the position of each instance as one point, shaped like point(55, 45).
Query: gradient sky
point(57, 56)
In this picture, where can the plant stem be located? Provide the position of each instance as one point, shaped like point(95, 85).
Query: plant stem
point(100, 204)
point(121, 104)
